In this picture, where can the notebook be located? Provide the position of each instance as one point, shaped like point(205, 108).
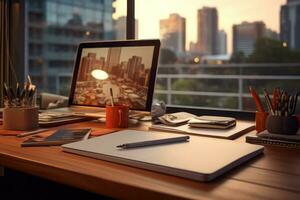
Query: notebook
point(200, 159)
point(59, 137)
point(241, 128)
point(280, 140)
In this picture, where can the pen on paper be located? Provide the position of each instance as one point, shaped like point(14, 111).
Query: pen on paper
point(154, 142)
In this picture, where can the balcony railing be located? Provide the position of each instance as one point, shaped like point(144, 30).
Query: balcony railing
point(222, 86)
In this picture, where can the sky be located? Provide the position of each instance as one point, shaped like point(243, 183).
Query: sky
point(149, 12)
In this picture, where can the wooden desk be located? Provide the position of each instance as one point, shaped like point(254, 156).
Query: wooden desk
point(274, 175)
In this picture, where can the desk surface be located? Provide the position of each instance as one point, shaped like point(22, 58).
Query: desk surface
point(274, 175)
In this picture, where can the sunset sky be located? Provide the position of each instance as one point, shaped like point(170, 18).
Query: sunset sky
point(230, 12)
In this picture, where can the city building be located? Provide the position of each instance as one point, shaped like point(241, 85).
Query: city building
point(245, 36)
point(222, 42)
point(53, 30)
point(173, 33)
point(207, 36)
point(271, 34)
point(120, 28)
point(290, 24)
point(113, 58)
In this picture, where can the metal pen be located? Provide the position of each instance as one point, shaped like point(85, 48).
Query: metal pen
point(154, 142)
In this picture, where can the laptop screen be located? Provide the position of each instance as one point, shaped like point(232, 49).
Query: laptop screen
point(127, 71)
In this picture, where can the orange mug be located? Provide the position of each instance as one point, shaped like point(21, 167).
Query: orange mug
point(117, 116)
point(260, 121)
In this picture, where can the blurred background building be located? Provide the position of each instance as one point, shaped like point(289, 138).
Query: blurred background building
point(222, 43)
point(54, 29)
point(173, 33)
point(120, 28)
point(245, 36)
point(207, 37)
point(290, 24)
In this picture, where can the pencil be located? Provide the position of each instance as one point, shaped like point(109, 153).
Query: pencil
point(256, 99)
point(268, 101)
point(111, 97)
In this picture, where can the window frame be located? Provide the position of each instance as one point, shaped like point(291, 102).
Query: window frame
point(130, 34)
point(245, 115)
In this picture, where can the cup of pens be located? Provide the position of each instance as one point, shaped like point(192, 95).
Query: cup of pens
point(282, 119)
point(20, 111)
point(116, 114)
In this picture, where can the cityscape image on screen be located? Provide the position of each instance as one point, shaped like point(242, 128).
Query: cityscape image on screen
point(128, 70)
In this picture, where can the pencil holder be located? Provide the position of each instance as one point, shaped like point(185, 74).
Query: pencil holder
point(287, 125)
point(23, 119)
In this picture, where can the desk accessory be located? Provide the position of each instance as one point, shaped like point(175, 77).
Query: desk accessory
point(200, 159)
point(59, 137)
point(216, 122)
point(271, 139)
point(175, 119)
point(260, 121)
point(154, 142)
point(260, 114)
point(282, 108)
point(116, 116)
point(27, 118)
point(241, 128)
point(158, 109)
point(20, 105)
point(281, 118)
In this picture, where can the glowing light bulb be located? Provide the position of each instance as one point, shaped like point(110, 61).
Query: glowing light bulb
point(284, 44)
point(196, 60)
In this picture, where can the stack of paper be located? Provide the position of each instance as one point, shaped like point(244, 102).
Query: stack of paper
point(175, 119)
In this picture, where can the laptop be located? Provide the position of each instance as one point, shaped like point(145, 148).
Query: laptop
point(130, 71)
point(200, 159)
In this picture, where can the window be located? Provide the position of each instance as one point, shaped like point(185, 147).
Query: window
point(53, 30)
point(213, 50)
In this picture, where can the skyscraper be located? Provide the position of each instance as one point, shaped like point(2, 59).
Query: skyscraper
point(245, 36)
point(53, 30)
point(120, 28)
point(113, 57)
point(207, 36)
point(173, 33)
point(86, 66)
point(290, 24)
point(222, 42)
point(133, 64)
